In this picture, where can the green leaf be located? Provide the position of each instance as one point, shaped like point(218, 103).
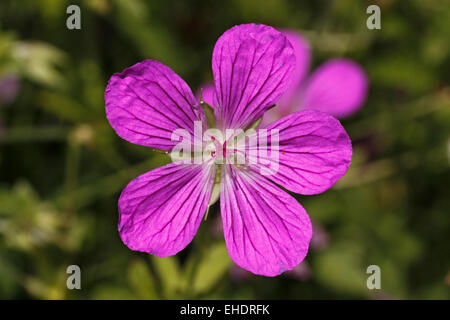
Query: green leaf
point(41, 62)
point(72, 111)
point(142, 281)
point(340, 268)
point(211, 268)
point(112, 292)
point(169, 273)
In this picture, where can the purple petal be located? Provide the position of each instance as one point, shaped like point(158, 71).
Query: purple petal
point(161, 210)
point(314, 152)
point(147, 102)
point(252, 66)
point(338, 87)
point(266, 230)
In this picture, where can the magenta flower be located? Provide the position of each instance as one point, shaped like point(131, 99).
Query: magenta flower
point(266, 230)
point(338, 87)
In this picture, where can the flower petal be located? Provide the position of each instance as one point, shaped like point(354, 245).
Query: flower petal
point(147, 102)
point(161, 210)
point(314, 152)
point(338, 87)
point(252, 66)
point(266, 230)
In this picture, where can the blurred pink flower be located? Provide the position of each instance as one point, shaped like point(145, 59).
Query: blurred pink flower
point(9, 87)
point(301, 272)
point(320, 239)
point(337, 87)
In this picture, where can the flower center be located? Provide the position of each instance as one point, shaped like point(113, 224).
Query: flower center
point(224, 153)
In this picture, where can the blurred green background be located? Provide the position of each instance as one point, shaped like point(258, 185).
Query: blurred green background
point(63, 167)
